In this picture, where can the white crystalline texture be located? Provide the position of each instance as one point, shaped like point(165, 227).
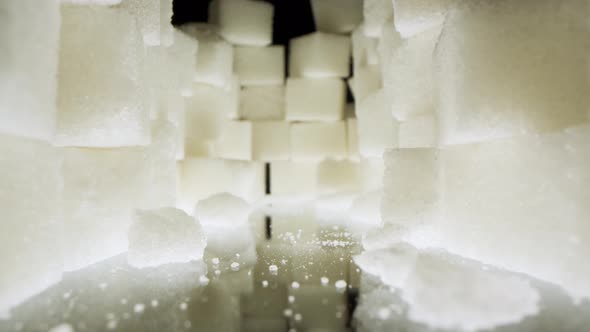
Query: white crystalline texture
point(411, 190)
point(262, 102)
point(235, 141)
point(246, 22)
point(315, 99)
point(153, 19)
point(182, 61)
point(337, 16)
point(314, 141)
point(293, 178)
point(222, 210)
point(529, 76)
point(376, 13)
point(419, 132)
point(164, 236)
point(502, 199)
point(487, 298)
point(28, 67)
point(320, 55)
point(30, 194)
point(271, 140)
point(260, 65)
point(377, 130)
point(365, 210)
point(408, 77)
point(102, 187)
point(201, 178)
point(415, 16)
point(106, 108)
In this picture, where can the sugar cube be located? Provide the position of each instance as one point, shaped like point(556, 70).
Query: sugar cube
point(317, 140)
point(265, 102)
point(106, 108)
point(28, 85)
point(377, 130)
point(271, 140)
point(419, 132)
point(164, 236)
point(527, 77)
point(320, 55)
point(367, 80)
point(338, 176)
point(293, 178)
point(246, 22)
point(260, 65)
point(222, 210)
point(376, 13)
point(315, 99)
point(337, 16)
point(364, 49)
point(235, 141)
point(153, 18)
point(415, 16)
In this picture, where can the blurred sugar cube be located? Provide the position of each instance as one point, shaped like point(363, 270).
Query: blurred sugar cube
point(271, 140)
point(245, 22)
point(320, 55)
point(266, 102)
point(293, 178)
point(29, 64)
point(260, 65)
point(106, 108)
point(377, 130)
point(337, 16)
point(317, 140)
point(419, 132)
point(315, 99)
point(153, 18)
point(222, 210)
point(367, 80)
point(235, 141)
point(164, 236)
point(415, 16)
point(376, 13)
point(352, 138)
point(364, 49)
point(336, 176)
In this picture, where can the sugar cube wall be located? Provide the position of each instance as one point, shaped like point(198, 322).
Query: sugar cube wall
point(320, 55)
point(527, 77)
point(266, 102)
point(30, 205)
point(337, 16)
point(28, 68)
point(314, 99)
point(106, 108)
point(316, 140)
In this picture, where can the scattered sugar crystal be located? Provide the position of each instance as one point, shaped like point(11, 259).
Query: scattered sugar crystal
point(30, 197)
point(324, 281)
point(222, 210)
point(62, 328)
point(527, 77)
point(377, 130)
point(314, 141)
point(271, 140)
point(337, 16)
point(419, 132)
point(409, 75)
point(29, 64)
point(106, 108)
point(415, 16)
point(235, 266)
point(340, 284)
point(262, 102)
point(164, 236)
point(376, 13)
point(320, 55)
point(260, 65)
point(139, 308)
point(246, 22)
point(315, 99)
point(235, 141)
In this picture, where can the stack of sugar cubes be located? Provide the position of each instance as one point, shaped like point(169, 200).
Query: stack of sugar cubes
point(491, 163)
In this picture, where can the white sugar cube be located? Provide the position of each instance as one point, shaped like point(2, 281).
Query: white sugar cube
point(260, 65)
point(106, 108)
point(408, 78)
point(367, 80)
point(533, 81)
point(153, 18)
point(415, 16)
point(262, 102)
point(235, 141)
point(315, 99)
point(271, 140)
point(30, 197)
point(411, 191)
point(102, 187)
point(419, 132)
point(337, 16)
point(377, 130)
point(293, 178)
point(246, 22)
point(364, 49)
point(317, 141)
point(502, 199)
point(164, 236)
point(320, 55)
point(373, 170)
point(201, 178)
point(339, 176)
point(182, 57)
point(352, 138)
point(376, 13)
point(28, 84)
point(222, 210)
